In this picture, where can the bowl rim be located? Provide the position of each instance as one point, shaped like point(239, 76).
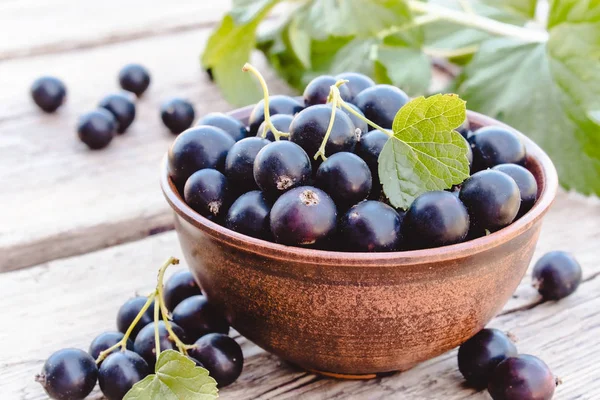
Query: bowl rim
point(549, 186)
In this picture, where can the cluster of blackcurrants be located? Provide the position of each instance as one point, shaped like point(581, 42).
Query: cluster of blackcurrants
point(269, 183)
point(72, 373)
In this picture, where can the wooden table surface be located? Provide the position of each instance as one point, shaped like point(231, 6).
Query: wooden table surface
point(81, 231)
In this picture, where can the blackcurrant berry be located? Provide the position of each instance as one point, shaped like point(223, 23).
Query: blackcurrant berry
point(221, 356)
point(381, 103)
point(134, 78)
point(177, 115)
point(358, 123)
point(145, 345)
point(119, 372)
point(469, 154)
point(179, 287)
point(525, 181)
point(197, 317)
point(346, 178)
point(494, 145)
point(278, 104)
point(230, 125)
point(281, 166)
point(249, 215)
point(310, 125)
point(435, 219)
point(556, 275)
point(281, 122)
point(97, 128)
point(239, 164)
point(207, 192)
point(105, 340)
point(317, 90)
point(464, 129)
point(68, 374)
point(122, 108)
point(48, 93)
point(129, 311)
point(356, 82)
point(368, 148)
point(478, 356)
point(198, 363)
point(371, 226)
point(492, 199)
point(198, 148)
point(522, 377)
point(303, 216)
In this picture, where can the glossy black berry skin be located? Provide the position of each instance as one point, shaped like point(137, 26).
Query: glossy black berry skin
point(358, 123)
point(368, 148)
point(281, 122)
point(356, 82)
point(239, 164)
point(303, 216)
point(122, 108)
point(197, 317)
point(469, 155)
point(105, 340)
point(207, 192)
point(198, 148)
point(68, 374)
point(371, 226)
point(179, 287)
point(556, 275)
point(381, 103)
point(465, 129)
point(127, 313)
point(310, 125)
point(525, 181)
point(281, 166)
point(522, 377)
point(230, 125)
point(278, 104)
point(492, 199)
point(495, 145)
point(177, 115)
point(221, 356)
point(435, 219)
point(478, 356)
point(48, 93)
point(317, 90)
point(134, 78)
point(346, 178)
point(96, 128)
point(119, 372)
point(144, 343)
point(249, 215)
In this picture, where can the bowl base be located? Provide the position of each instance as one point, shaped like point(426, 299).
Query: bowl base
point(350, 376)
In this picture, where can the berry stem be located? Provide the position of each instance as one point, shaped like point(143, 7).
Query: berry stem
point(365, 119)
point(334, 95)
point(156, 335)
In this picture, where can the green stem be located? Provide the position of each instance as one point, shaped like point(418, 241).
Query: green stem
point(365, 119)
point(416, 22)
point(451, 53)
point(156, 334)
point(334, 93)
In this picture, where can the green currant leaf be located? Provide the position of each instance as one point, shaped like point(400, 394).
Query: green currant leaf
point(176, 378)
point(425, 152)
point(407, 68)
point(299, 41)
point(573, 11)
point(355, 56)
point(245, 11)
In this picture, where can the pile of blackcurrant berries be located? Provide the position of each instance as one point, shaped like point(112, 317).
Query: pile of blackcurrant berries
point(72, 373)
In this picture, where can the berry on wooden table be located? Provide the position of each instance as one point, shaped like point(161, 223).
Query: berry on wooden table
point(177, 115)
point(522, 377)
point(119, 372)
point(197, 317)
point(96, 128)
point(230, 125)
point(134, 78)
point(179, 287)
point(121, 107)
point(48, 93)
point(129, 310)
point(556, 275)
point(105, 340)
point(68, 374)
point(221, 356)
point(145, 344)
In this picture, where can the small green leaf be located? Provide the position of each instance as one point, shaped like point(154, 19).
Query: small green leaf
point(176, 378)
point(355, 56)
point(425, 152)
point(300, 43)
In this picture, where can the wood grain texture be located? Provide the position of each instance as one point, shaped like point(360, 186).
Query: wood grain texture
point(67, 302)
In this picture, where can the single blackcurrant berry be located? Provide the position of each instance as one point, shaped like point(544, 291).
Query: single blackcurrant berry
point(278, 104)
point(381, 103)
point(145, 345)
point(129, 311)
point(346, 178)
point(494, 145)
point(197, 317)
point(68, 374)
point(281, 122)
point(556, 275)
point(177, 115)
point(317, 90)
point(465, 129)
point(48, 93)
point(371, 226)
point(239, 164)
point(134, 78)
point(478, 356)
point(281, 166)
point(249, 215)
point(179, 287)
point(522, 377)
point(122, 108)
point(359, 124)
point(492, 199)
point(221, 356)
point(230, 125)
point(97, 128)
point(119, 372)
point(207, 192)
point(303, 216)
point(198, 148)
point(525, 181)
point(105, 340)
point(356, 82)
point(368, 148)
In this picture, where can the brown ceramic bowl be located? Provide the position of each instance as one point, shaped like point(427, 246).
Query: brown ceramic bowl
point(361, 313)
